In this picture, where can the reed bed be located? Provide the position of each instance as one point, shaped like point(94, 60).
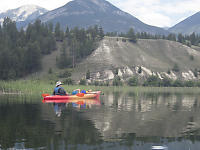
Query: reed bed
point(37, 87)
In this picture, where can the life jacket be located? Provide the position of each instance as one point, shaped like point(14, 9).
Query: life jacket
point(83, 91)
point(56, 90)
point(74, 92)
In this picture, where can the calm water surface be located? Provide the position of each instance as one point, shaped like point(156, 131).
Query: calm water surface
point(118, 121)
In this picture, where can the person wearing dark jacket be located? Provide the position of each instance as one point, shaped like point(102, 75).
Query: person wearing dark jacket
point(59, 90)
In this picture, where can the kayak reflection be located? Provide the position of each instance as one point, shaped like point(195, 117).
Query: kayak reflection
point(60, 105)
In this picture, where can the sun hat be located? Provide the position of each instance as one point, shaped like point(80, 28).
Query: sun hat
point(58, 83)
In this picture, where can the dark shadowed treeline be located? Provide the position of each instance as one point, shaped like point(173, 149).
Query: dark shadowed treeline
point(21, 51)
point(189, 40)
point(77, 44)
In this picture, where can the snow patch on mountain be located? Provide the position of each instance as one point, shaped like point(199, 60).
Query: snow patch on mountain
point(23, 13)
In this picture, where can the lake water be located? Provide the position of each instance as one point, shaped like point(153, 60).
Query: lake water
point(117, 121)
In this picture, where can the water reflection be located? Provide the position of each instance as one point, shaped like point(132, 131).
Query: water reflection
point(162, 115)
point(116, 121)
point(61, 105)
point(58, 107)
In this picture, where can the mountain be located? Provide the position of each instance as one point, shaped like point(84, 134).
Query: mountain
point(23, 15)
point(188, 26)
point(85, 13)
point(155, 57)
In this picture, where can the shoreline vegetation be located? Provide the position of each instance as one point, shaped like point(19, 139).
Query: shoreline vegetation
point(29, 87)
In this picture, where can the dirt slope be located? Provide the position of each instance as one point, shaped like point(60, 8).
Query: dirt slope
point(154, 56)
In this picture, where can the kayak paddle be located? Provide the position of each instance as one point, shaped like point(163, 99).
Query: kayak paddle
point(44, 95)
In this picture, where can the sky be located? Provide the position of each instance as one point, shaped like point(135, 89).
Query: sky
point(161, 13)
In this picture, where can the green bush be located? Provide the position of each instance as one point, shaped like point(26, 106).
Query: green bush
point(168, 71)
point(189, 83)
point(166, 82)
point(177, 83)
point(96, 83)
point(140, 70)
point(191, 57)
point(117, 81)
point(133, 81)
point(195, 72)
point(88, 74)
point(152, 81)
point(65, 74)
point(68, 81)
point(50, 71)
point(82, 82)
point(176, 68)
point(197, 83)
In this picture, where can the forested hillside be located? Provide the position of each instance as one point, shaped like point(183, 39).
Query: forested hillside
point(118, 58)
point(77, 44)
point(21, 51)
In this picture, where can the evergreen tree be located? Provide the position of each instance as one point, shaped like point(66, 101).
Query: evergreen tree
point(131, 35)
point(193, 38)
point(20, 51)
point(88, 74)
point(101, 33)
point(58, 34)
point(171, 37)
point(32, 56)
point(180, 38)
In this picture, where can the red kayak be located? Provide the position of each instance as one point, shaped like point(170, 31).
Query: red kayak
point(77, 101)
point(91, 95)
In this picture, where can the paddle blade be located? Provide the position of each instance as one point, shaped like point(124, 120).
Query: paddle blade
point(80, 94)
point(44, 95)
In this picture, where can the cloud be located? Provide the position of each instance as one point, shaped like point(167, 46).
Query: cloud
point(160, 13)
point(156, 19)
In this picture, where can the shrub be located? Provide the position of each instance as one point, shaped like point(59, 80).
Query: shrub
point(82, 82)
point(168, 71)
point(133, 81)
point(50, 71)
point(117, 81)
point(88, 74)
point(176, 68)
point(191, 57)
point(189, 84)
point(96, 83)
point(195, 72)
point(177, 83)
point(68, 81)
point(198, 83)
point(166, 82)
point(140, 70)
point(152, 81)
point(65, 74)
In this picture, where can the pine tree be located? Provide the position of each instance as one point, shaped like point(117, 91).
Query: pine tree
point(58, 32)
point(131, 35)
point(180, 38)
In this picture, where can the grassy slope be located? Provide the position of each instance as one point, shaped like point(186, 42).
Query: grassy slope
point(48, 61)
point(157, 55)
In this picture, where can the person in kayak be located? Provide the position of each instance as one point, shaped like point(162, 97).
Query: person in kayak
point(59, 90)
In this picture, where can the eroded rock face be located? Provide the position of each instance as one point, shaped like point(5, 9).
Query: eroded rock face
point(117, 56)
point(126, 72)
